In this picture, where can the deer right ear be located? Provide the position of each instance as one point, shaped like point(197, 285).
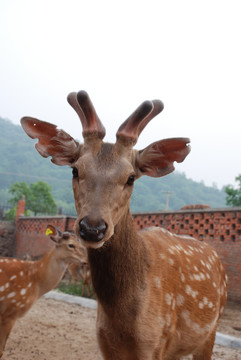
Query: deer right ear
point(54, 233)
point(158, 159)
point(52, 141)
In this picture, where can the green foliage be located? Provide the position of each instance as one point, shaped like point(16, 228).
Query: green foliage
point(233, 197)
point(38, 197)
point(10, 214)
point(17, 191)
point(20, 162)
point(74, 289)
point(41, 199)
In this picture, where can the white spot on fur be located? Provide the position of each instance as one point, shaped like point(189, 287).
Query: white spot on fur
point(180, 300)
point(2, 298)
point(21, 273)
point(182, 278)
point(188, 290)
point(202, 276)
point(11, 294)
point(13, 277)
point(171, 261)
point(201, 305)
point(205, 300)
point(168, 299)
point(23, 291)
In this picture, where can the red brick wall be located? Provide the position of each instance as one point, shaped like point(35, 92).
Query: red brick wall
point(30, 235)
point(221, 228)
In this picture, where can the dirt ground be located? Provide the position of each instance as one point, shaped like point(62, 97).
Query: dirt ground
point(58, 330)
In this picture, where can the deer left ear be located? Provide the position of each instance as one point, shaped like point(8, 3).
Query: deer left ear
point(54, 233)
point(157, 159)
point(53, 142)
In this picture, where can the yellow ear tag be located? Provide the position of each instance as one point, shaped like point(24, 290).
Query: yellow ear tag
point(48, 232)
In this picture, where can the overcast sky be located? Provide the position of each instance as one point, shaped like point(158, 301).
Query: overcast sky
point(185, 52)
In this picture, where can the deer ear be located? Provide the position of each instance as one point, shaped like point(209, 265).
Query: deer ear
point(54, 233)
point(157, 159)
point(52, 141)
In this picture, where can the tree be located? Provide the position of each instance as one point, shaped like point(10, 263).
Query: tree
point(233, 197)
point(41, 200)
point(17, 190)
point(38, 197)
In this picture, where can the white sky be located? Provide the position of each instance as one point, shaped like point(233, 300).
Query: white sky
point(185, 52)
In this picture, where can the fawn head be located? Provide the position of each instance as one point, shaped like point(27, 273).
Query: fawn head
point(104, 173)
point(67, 244)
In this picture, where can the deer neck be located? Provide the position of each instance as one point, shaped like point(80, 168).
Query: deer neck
point(50, 271)
point(118, 267)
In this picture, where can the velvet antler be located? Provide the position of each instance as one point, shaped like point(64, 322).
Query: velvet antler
point(130, 130)
point(91, 123)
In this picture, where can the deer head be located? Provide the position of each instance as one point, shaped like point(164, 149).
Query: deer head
point(67, 245)
point(104, 173)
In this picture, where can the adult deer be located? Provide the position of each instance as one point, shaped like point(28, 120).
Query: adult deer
point(23, 282)
point(159, 295)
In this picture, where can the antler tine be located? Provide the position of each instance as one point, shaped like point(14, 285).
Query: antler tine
point(72, 100)
point(91, 123)
point(130, 130)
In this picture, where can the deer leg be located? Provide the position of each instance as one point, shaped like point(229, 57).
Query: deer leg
point(5, 329)
point(205, 352)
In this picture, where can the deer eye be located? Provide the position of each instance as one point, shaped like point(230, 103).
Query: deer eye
point(130, 180)
point(71, 246)
point(75, 173)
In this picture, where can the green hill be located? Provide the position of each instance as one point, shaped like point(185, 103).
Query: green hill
point(19, 161)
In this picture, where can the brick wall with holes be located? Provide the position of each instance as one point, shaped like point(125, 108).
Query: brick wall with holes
point(220, 228)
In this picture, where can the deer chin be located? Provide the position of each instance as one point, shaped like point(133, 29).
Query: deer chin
point(92, 245)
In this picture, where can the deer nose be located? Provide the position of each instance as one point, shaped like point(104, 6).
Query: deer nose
point(90, 231)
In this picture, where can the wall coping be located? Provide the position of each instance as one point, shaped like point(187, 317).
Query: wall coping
point(157, 212)
point(206, 210)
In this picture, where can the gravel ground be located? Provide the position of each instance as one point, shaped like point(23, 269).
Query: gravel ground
point(59, 330)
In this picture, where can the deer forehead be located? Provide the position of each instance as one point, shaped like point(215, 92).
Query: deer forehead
point(109, 162)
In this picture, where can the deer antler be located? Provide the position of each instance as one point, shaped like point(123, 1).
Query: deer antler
point(91, 123)
point(130, 130)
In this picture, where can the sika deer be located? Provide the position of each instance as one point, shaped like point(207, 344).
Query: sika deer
point(159, 295)
point(23, 282)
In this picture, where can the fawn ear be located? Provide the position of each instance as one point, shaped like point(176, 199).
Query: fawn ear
point(157, 159)
point(54, 233)
point(52, 141)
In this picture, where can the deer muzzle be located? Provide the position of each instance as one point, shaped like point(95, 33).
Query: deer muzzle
point(93, 232)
